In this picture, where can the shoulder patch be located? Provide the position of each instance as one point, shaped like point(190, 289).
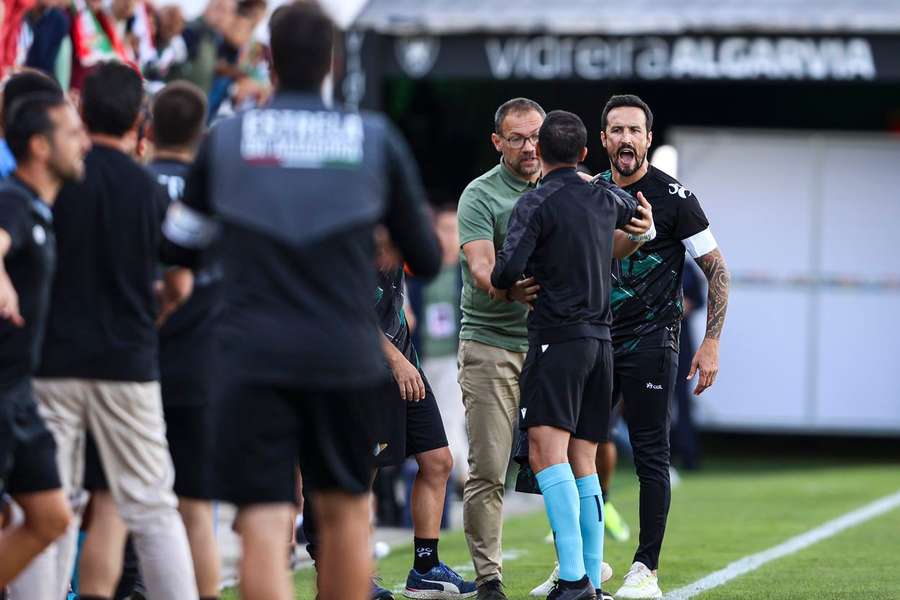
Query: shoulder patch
point(676, 189)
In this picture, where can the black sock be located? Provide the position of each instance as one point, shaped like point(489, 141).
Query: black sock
point(605, 496)
point(425, 555)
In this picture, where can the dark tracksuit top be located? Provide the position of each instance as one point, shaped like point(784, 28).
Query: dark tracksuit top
point(561, 233)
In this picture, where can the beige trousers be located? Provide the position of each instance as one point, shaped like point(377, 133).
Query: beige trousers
point(126, 421)
point(489, 378)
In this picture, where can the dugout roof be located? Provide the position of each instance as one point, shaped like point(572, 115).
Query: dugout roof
point(441, 17)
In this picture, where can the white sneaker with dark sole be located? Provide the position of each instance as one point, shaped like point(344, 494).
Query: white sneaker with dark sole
point(640, 584)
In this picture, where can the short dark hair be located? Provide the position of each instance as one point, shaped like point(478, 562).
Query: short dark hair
point(30, 81)
point(301, 36)
point(247, 7)
point(562, 138)
point(516, 105)
point(627, 100)
point(179, 115)
point(111, 99)
point(29, 115)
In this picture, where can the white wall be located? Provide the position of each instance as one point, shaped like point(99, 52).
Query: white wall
point(806, 221)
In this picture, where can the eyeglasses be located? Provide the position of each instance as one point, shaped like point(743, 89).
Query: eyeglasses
point(518, 141)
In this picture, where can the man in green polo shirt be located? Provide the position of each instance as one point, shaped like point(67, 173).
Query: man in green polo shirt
point(493, 336)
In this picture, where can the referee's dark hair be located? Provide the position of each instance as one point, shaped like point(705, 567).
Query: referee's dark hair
point(27, 81)
point(301, 36)
point(111, 99)
point(562, 138)
point(29, 115)
point(626, 100)
point(516, 105)
point(179, 115)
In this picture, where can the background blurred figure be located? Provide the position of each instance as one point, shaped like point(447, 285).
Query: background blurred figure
point(171, 48)
point(437, 308)
point(242, 71)
point(49, 49)
point(94, 39)
point(683, 436)
point(202, 38)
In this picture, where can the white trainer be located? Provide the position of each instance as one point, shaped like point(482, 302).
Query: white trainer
point(640, 583)
point(542, 590)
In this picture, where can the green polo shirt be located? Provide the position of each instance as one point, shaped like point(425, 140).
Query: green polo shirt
point(484, 209)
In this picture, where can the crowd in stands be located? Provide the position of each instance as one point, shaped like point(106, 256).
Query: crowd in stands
point(217, 51)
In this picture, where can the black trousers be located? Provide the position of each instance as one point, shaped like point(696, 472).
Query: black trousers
point(645, 382)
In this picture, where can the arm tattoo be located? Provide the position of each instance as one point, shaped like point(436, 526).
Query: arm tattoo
point(716, 271)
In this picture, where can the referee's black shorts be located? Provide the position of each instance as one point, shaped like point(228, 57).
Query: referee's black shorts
point(568, 385)
point(264, 432)
point(408, 428)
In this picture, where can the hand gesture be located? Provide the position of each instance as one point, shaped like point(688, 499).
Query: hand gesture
point(9, 301)
point(524, 291)
point(409, 380)
point(642, 222)
point(706, 361)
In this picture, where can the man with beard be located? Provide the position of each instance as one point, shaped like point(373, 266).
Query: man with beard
point(647, 308)
point(48, 141)
point(493, 335)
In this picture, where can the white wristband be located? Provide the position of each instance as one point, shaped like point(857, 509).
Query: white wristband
point(647, 236)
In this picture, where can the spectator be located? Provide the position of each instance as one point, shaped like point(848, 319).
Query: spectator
point(94, 39)
point(437, 308)
point(171, 49)
point(202, 39)
point(49, 41)
point(242, 70)
point(10, 29)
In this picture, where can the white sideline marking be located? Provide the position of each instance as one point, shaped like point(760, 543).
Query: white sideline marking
point(795, 544)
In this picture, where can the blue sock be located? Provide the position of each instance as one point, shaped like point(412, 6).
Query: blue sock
point(591, 520)
point(557, 484)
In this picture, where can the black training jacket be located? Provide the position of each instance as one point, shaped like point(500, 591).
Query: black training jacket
point(561, 234)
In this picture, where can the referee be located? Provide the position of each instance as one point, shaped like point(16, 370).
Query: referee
point(561, 234)
point(296, 190)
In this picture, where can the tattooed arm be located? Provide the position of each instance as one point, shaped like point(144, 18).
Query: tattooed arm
point(706, 361)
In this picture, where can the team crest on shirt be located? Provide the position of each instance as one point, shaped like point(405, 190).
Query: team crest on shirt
point(39, 234)
point(676, 189)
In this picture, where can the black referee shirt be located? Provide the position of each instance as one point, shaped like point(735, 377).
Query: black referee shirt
point(561, 234)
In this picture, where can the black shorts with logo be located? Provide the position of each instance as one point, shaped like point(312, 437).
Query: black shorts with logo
point(265, 431)
point(408, 428)
point(568, 385)
point(27, 448)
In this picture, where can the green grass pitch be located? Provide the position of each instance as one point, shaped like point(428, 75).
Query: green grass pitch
point(731, 509)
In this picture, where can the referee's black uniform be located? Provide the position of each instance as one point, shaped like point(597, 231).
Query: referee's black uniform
point(561, 234)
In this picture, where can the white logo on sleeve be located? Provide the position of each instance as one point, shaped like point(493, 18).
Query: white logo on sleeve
point(654, 386)
point(678, 190)
point(39, 234)
point(523, 412)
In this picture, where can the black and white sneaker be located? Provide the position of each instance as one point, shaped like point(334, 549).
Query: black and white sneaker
point(582, 589)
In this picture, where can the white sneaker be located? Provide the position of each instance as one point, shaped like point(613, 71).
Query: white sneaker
point(542, 590)
point(640, 583)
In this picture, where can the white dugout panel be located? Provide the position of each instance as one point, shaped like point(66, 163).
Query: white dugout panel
point(810, 225)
